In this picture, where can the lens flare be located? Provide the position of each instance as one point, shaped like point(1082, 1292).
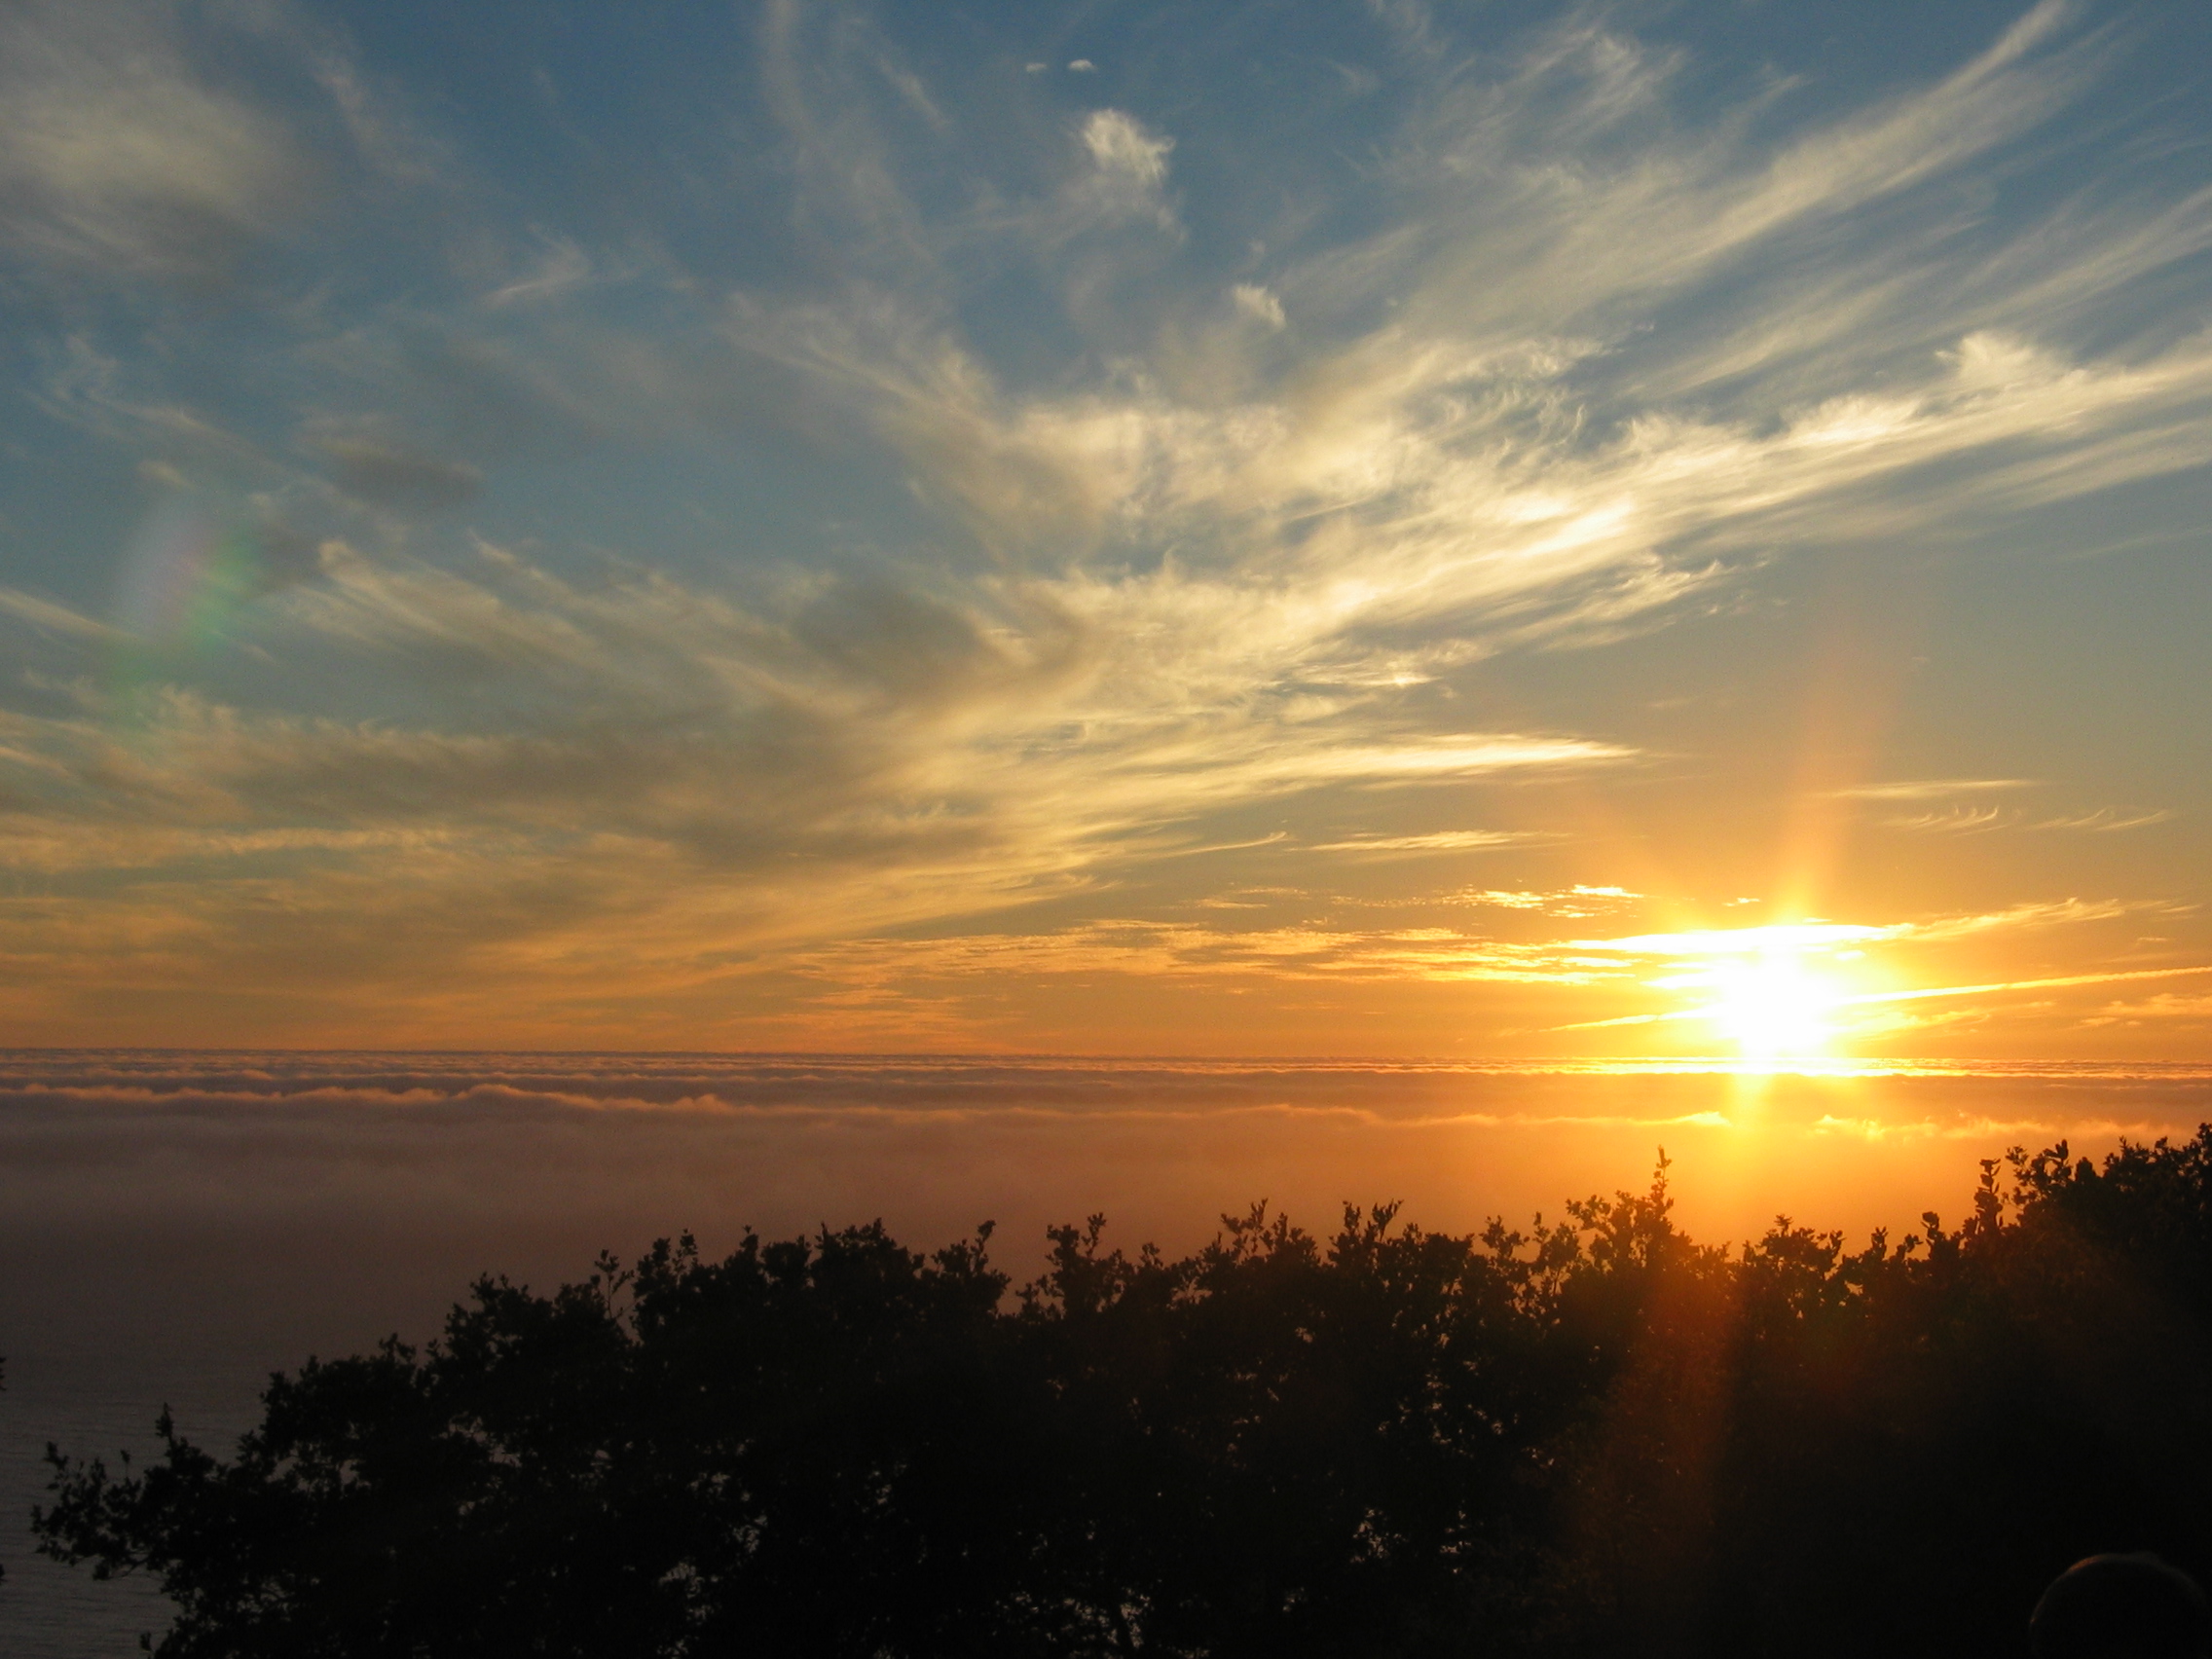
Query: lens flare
point(185, 575)
point(184, 580)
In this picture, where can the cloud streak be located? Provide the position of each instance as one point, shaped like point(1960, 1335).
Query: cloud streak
point(116, 157)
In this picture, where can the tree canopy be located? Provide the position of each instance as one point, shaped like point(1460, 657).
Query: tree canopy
point(1594, 1436)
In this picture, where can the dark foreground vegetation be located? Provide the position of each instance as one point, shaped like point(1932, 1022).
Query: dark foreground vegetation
point(1596, 1437)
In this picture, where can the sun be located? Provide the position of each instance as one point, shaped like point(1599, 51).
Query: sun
point(1769, 1004)
point(1787, 992)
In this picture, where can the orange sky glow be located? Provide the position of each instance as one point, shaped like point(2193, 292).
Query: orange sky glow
point(1672, 554)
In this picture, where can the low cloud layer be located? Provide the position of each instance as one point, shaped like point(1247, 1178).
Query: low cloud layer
point(467, 1145)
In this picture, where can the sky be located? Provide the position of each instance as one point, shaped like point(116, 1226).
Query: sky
point(1399, 529)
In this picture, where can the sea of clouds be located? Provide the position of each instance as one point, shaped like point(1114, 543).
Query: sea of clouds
point(173, 1226)
point(589, 1150)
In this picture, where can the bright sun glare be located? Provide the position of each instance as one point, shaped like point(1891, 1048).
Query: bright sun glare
point(1786, 992)
point(1768, 1005)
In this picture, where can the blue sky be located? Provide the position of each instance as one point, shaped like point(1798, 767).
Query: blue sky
point(1352, 529)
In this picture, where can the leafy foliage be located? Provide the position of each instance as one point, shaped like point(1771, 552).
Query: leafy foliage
point(1596, 1436)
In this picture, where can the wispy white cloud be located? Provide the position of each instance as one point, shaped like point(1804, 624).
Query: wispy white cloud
point(2106, 819)
point(1573, 903)
point(1127, 177)
point(45, 613)
point(2033, 914)
point(1924, 993)
point(117, 156)
point(1785, 936)
point(1932, 788)
point(1170, 949)
point(2165, 1006)
point(560, 268)
point(1259, 304)
point(660, 772)
point(1438, 841)
point(1963, 819)
point(1825, 937)
point(1954, 821)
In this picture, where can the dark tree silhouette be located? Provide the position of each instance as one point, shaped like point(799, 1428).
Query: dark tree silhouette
point(1592, 1437)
